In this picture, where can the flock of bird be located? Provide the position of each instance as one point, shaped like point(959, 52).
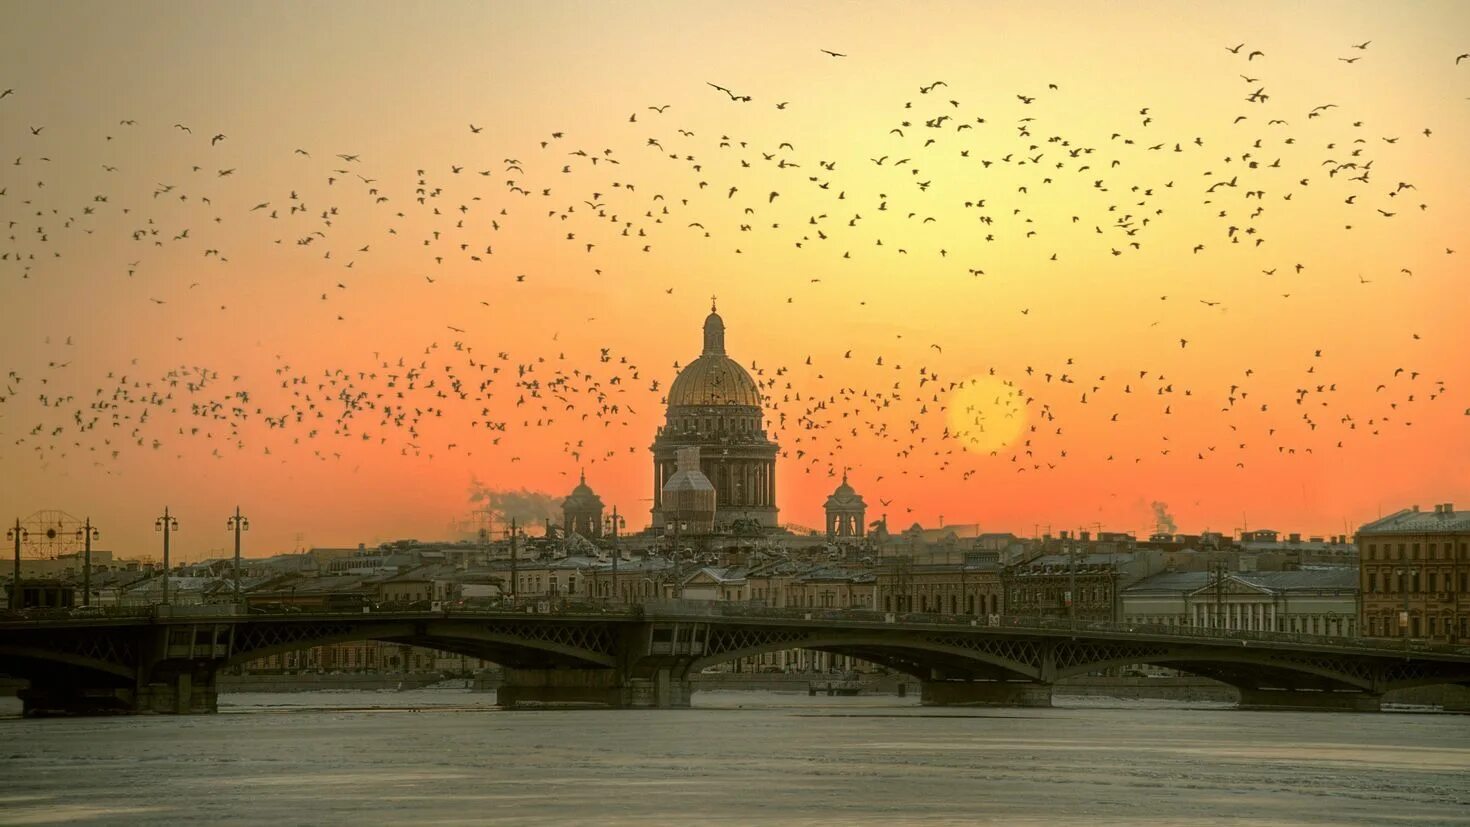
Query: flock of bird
point(955, 183)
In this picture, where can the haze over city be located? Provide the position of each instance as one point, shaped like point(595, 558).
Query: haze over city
point(363, 269)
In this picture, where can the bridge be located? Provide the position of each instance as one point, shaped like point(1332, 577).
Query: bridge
point(165, 659)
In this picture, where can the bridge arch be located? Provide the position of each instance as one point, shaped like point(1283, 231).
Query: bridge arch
point(1230, 666)
point(28, 662)
point(508, 643)
point(919, 656)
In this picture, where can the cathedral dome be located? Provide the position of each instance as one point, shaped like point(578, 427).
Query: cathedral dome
point(714, 378)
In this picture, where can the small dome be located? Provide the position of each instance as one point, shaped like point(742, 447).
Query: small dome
point(582, 496)
point(845, 496)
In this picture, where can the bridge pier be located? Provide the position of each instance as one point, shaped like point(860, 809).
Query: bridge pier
point(186, 689)
point(539, 688)
point(41, 700)
point(1309, 700)
point(985, 693)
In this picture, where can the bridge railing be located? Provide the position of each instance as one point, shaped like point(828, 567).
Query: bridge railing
point(543, 606)
point(729, 609)
point(79, 612)
point(732, 609)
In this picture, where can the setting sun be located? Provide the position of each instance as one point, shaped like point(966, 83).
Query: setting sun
point(986, 414)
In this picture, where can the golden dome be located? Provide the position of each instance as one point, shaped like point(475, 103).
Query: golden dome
point(714, 378)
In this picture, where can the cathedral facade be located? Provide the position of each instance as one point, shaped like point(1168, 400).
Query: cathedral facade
point(715, 405)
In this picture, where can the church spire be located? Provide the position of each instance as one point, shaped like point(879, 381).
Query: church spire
point(714, 332)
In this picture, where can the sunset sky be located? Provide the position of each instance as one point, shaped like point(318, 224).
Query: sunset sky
point(1151, 269)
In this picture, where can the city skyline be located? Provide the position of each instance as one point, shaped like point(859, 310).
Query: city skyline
point(245, 237)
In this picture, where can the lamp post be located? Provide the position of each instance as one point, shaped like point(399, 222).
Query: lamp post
point(964, 588)
point(238, 523)
point(19, 535)
point(514, 549)
point(612, 523)
point(1072, 582)
point(167, 525)
point(87, 534)
point(1219, 568)
point(1403, 575)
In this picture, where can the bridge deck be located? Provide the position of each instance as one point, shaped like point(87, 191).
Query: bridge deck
point(660, 611)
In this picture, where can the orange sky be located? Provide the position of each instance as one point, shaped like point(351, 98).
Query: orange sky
point(1005, 246)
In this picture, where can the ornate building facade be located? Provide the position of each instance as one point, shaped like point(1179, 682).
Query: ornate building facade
point(582, 511)
point(1414, 569)
point(845, 512)
point(714, 405)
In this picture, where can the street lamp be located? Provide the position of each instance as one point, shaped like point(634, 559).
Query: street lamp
point(238, 523)
point(87, 534)
point(167, 525)
point(1072, 582)
point(514, 562)
point(1403, 575)
point(1219, 568)
point(19, 535)
point(612, 523)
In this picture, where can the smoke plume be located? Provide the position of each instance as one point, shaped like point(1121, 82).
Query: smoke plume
point(1163, 521)
point(525, 506)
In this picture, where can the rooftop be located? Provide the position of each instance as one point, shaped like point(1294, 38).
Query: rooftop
point(1413, 521)
point(1337, 579)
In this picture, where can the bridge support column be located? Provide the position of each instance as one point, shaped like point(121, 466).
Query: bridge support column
point(662, 691)
point(533, 688)
point(188, 689)
point(43, 700)
point(1299, 699)
point(529, 688)
point(985, 693)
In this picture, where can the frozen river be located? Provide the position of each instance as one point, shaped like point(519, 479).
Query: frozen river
point(441, 756)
